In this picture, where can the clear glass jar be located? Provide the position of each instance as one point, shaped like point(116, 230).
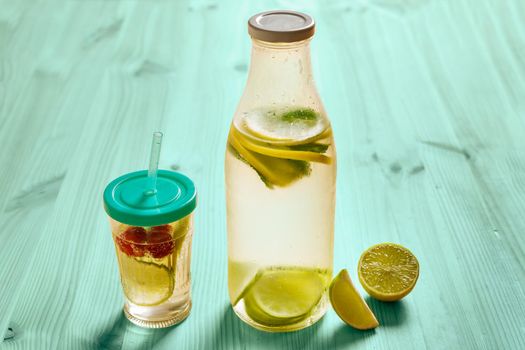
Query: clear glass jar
point(280, 171)
point(154, 266)
point(152, 228)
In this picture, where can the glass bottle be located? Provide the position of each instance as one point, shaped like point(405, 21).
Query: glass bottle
point(280, 172)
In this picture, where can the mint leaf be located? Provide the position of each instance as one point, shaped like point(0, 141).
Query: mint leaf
point(299, 114)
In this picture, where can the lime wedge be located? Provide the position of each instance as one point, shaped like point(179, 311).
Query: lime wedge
point(145, 283)
point(283, 296)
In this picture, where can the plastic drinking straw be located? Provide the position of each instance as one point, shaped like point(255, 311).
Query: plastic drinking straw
point(154, 163)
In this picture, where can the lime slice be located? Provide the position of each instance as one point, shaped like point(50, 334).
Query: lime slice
point(283, 296)
point(145, 283)
point(292, 126)
point(348, 303)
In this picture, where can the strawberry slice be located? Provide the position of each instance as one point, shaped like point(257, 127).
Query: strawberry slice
point(131, 242)
point(160, 242)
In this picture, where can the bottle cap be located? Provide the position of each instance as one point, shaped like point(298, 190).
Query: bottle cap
point(281, 26)
point(130, 200)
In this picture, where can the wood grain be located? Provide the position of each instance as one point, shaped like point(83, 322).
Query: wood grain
point(427, 103)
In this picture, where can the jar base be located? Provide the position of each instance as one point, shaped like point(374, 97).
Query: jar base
point(171, 320)
point(319, 312)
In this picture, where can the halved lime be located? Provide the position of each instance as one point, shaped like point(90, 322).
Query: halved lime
point(283, 296)
point(145, 283)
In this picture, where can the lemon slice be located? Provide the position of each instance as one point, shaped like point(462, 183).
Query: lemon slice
point(280, 152)
point(348, 303)
point(273, 171)
point(388, 271)
point(145, 283)
point(283, 296)
point(288, 125)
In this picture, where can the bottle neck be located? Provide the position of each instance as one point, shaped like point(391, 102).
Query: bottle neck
point(281, 73)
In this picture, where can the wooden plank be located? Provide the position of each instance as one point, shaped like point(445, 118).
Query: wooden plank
point(426, 100)
point(38, 131)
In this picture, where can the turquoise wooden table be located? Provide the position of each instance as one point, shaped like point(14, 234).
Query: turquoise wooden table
point(427, 100)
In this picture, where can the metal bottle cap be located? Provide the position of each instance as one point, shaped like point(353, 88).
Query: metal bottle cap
point(281, 26)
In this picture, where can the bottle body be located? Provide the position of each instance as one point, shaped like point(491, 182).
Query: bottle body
point(280, 170)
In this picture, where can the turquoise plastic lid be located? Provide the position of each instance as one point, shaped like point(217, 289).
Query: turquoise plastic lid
point(127, 199)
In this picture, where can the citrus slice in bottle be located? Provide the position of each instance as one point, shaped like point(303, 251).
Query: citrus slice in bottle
point(348, 303)
point(283, 296)
point(273, 171)
point(285, 125)
point(241, 277)
point(282, 153)
point(388, 271)
point(146, 283)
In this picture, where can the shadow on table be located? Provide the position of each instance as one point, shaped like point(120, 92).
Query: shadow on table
point(232, 333)
point(136, 338)
point(388, 314)
point(345, 336)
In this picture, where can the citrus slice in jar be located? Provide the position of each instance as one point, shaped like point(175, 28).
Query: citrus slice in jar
point(285, 126)
point(283, 296)
point(388, 271)
point(146, 283)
